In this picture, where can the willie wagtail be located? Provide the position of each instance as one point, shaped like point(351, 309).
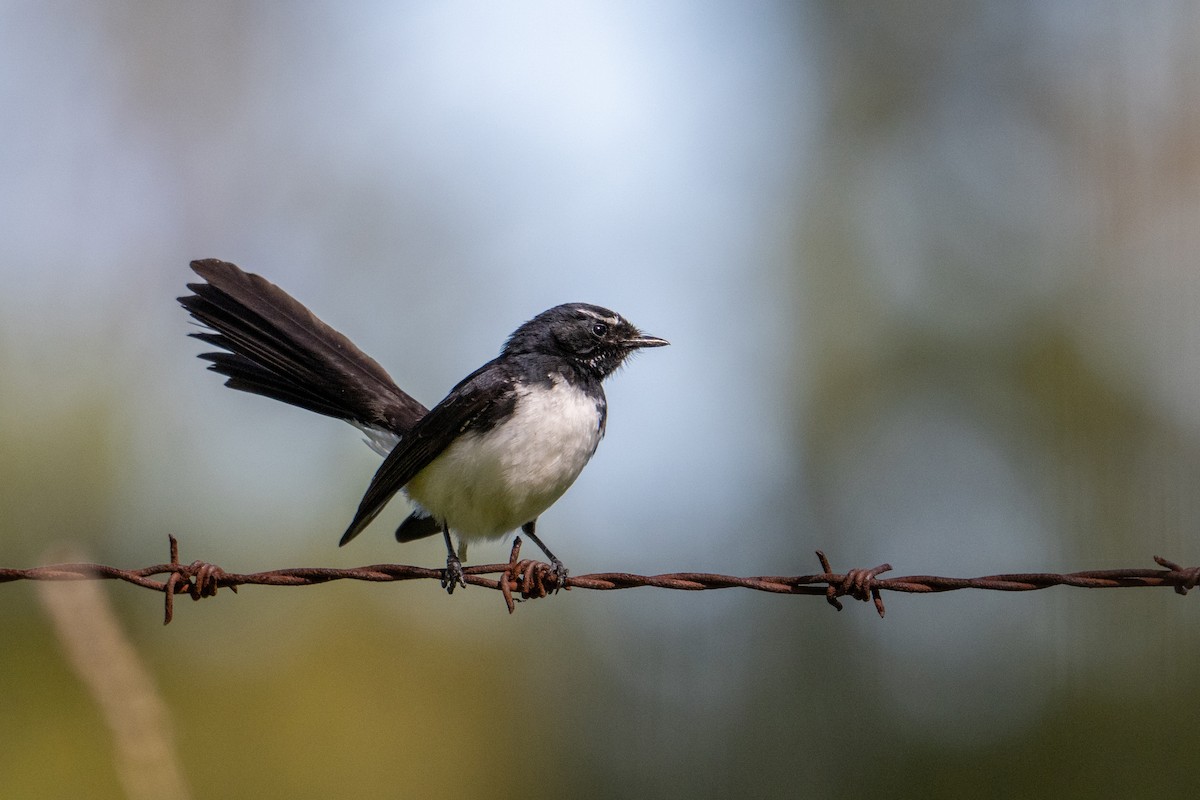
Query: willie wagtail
point(496, 452)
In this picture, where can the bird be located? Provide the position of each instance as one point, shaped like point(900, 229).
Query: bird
point(497, 451)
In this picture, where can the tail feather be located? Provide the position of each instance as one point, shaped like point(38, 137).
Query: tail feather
point(247, 376)
point(277, 348)
point(417, 526)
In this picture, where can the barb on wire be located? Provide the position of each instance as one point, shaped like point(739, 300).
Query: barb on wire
point(534, 579)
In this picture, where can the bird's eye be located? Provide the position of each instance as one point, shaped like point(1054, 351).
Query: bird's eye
point(600, 329)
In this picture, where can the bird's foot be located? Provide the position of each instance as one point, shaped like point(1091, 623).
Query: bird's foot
point(560, 574)
point(453, 575)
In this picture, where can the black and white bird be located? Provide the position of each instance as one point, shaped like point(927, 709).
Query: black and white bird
point(496, 452)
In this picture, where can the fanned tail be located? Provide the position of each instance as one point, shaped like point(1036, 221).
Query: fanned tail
point(277, 348)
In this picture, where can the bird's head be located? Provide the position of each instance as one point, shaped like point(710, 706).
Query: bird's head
point(594, 338)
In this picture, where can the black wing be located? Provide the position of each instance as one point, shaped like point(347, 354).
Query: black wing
point(280, 349)
point(476, 403)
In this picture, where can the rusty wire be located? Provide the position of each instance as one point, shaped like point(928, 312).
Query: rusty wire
point(533, 579)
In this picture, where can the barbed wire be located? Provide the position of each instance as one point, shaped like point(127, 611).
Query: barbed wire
point(535, 579)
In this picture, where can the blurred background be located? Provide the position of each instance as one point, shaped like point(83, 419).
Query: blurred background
point(929, 273)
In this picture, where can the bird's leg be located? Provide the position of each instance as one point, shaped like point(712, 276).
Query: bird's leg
point(561, 573)
point(454, 571)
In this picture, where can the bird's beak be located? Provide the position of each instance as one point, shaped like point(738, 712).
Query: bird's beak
point(642, 340)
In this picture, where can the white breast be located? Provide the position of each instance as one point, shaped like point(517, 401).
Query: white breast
point(487, 484)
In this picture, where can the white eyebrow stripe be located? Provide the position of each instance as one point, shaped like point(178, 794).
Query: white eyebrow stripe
point(587, 312)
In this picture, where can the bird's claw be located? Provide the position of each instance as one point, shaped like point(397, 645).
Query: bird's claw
point(453, 575)
point(560, 574)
